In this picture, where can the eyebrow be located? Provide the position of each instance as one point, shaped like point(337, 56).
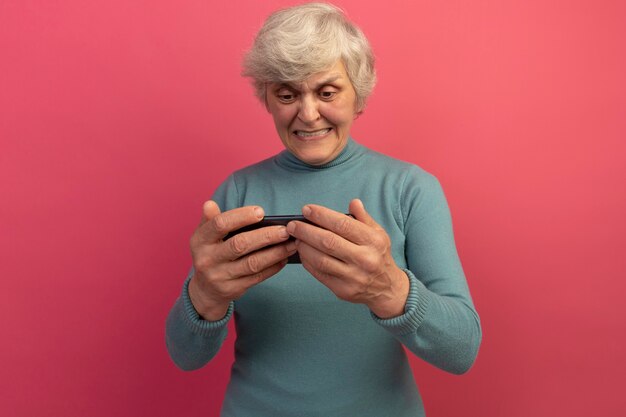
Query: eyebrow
point(328, 80)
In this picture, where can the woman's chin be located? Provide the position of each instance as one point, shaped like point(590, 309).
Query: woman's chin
point(316, 152)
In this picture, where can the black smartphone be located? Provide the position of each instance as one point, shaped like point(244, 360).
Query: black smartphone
point(273, 221)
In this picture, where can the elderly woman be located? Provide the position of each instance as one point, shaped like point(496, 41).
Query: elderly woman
point(324, 337)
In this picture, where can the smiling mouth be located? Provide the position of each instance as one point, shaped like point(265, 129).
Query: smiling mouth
point(315, 133)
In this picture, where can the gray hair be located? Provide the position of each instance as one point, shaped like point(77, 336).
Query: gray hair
point(299, 41)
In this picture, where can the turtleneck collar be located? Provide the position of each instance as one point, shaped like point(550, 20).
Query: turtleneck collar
point(349, 152)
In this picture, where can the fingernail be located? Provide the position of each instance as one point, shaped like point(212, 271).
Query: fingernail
point(282, 232)
point(306, 210)
point(258, 211)
point(291, 227)
point(291, 246)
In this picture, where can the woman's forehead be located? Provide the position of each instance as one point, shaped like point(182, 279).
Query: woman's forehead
point(335, 73)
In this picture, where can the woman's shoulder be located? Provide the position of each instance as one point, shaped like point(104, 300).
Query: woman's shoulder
point(395, 166)
point(256, 168)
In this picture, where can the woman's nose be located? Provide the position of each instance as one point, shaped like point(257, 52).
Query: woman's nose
point(308, 111)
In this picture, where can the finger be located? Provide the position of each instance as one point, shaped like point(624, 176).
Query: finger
point(210, 209)
point(246, 242)
point(323, 240)
point(223, 223)
point(232, 289)
point(251, 280)
point(256, 262)
point(351, 229)
point(328, 270)
point(357, 209)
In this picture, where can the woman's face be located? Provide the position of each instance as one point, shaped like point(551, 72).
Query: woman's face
point(313, 118)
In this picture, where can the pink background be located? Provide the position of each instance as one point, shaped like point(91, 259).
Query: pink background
point(119, 118)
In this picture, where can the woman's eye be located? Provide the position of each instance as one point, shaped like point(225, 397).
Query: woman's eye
point(327, 94)
point(286, 97)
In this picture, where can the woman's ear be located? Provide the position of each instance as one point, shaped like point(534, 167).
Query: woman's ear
point(267, 104)
point(358, 110)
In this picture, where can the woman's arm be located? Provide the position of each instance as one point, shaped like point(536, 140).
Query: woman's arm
point(222, 272)
point(440, 323)
point(427, 305)
point(191, 341)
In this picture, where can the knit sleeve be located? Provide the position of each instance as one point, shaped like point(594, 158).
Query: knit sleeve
point(191, 341)
point(440, 324)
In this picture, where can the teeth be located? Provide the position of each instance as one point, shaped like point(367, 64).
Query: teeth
point(311, 134)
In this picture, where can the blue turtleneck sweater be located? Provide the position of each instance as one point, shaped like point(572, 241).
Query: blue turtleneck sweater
point(300, 351)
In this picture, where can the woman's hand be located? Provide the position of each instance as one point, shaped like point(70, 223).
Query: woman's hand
point(224, 270)
point(352, 257)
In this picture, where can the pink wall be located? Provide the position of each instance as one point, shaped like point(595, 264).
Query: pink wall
point(119, 118)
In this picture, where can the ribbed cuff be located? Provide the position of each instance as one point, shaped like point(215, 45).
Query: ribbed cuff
point(414, 310)
point(197, 323)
